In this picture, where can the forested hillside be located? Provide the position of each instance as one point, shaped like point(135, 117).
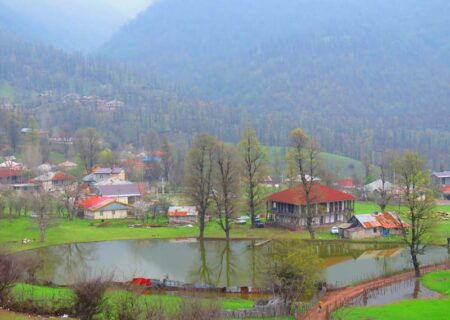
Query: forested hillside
point(68, 91)
point(359, 76)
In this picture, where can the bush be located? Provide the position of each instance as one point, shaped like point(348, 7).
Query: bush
point(10, 273)
point(90, 297)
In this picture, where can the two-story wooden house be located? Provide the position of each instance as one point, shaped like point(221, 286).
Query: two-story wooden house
point(330, 206)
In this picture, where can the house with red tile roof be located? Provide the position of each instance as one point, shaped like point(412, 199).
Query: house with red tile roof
point(102, 208)
point(372, 225)
point(10, 176)
point(53, 181)
point(331, 206)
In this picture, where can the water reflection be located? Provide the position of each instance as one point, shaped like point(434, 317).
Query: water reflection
point(234, 263)
point(408, 289)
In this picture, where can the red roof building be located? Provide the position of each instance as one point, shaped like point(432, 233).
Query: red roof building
point(10, 176)
point(347, 183)
point(330, 206)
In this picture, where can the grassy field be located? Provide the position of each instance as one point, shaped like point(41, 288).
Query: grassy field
point(13, 230)
point(432, 309)
point(53, 299)
point(438, 281)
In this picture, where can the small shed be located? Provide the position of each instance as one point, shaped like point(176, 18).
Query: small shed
point(372, 225)
point(183, 215)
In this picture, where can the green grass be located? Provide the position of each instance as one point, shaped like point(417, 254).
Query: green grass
point(59, 297)
point(13, 230)
point(432, 309)
point(438, 281)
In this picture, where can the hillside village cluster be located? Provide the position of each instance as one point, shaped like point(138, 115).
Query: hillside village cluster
point(105, 193)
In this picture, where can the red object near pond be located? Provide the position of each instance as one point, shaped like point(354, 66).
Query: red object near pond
point(142, 282)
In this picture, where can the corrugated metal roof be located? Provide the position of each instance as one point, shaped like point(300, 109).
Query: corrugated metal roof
point(443, 174)
point(386, 220)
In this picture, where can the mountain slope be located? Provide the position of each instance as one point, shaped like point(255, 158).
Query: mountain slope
point(351, 72)
point(80, 25)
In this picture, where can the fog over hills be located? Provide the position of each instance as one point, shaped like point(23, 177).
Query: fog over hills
point(81, 25)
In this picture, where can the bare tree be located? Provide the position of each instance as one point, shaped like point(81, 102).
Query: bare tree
point(419, 203)
point(384, 192)
point(254, 160)
point(42, 206)
point(90, 297)
point(199, 168)
point(69, 197)
point(10, 273)
point(167, 159)
point(304, 160)
point(88, 144)
point(225, 185)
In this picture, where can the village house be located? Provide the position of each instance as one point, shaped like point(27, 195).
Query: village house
point(100, 174)
point(347, 183)
point(441, 178)
point(101, 208)
point(53, 181)
point(128, 193)
point(372, 225)
point(10, 176)
point(330, 206)
point(182, 215)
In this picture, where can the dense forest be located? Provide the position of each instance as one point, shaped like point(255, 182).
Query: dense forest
point(360, 78)
point(349, 73)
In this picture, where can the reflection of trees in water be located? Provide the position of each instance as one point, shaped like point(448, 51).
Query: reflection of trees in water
point(225, 266)
point(61, 264)
point(221, 264)
point(74, 260)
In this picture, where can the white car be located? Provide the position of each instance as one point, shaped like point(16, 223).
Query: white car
point(240, 221)
point(334, 230)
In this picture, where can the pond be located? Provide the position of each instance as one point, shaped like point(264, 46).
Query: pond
point(237, 263)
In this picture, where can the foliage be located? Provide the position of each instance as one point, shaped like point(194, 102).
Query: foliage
point(10, 273)
point(293, 270)
point(419, 203)
point(89, 297)
point(254, 162)
point(199, 175)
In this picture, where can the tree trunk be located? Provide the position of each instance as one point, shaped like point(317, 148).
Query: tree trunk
point(415, 263)
point(202, 226)
point(227, 234)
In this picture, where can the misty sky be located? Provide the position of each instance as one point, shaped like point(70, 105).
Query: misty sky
point(130, 7)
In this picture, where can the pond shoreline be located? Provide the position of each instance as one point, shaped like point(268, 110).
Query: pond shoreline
point(336, 299)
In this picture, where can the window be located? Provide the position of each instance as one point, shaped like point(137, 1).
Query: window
point(321, 219)
point(335, 218)
point(113, 213)
point(101, 214)
point(374, 230)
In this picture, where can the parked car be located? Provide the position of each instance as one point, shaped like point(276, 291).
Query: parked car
point(240, 221)
point(259, 224)
point(334, 230)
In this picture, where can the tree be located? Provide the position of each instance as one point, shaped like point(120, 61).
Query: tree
point(225, 185)
point(199, 169)
point(106, 158)
point(10, 273)
point(167, 159)
point(419, 203)
point(90, 297)
point(151, 140)
point(254, 160)
point(32, 145)
point(88, 145)
point(69, 196)
point(293, 270)
point(303, 160)
point(42, 206)
point(384, 193)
